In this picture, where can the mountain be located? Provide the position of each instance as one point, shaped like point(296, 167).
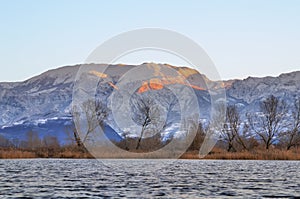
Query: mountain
point(43, 103)
point(252, 90)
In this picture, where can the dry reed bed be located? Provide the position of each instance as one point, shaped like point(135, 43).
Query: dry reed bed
point(274, 154)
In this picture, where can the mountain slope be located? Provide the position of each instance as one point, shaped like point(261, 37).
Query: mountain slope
point(43, 103)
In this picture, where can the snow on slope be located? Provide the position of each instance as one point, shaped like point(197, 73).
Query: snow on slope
point(47, 97)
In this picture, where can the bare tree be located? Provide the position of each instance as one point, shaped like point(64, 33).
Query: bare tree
point(291, 138)
point(77, 138)
point(145, 114)
point(154, 114)
point(269, 124)
point(101, 113)
point(89, 109)
point(228, 137)
point(230, 132)
point(94, 113)
point(72, 136)
point(234, 125)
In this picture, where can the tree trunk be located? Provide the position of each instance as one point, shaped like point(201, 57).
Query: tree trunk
point(140, 139)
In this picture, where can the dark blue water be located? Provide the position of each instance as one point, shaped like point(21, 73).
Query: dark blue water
point(50, 178)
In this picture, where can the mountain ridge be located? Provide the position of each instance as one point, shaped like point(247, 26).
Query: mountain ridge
point(46, 98)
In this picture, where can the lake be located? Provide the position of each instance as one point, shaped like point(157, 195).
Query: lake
point(60, 178)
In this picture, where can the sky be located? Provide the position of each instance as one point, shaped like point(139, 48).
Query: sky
point(243, 38)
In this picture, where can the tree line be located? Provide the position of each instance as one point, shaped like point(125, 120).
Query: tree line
point(275, 125)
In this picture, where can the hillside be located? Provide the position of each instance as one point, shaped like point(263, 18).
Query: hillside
point(43, 103)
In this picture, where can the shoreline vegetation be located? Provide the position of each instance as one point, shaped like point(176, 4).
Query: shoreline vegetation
point(220, 154)
point(63, 152)
point(72, 152)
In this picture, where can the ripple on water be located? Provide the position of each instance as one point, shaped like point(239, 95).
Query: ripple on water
point(139, 179)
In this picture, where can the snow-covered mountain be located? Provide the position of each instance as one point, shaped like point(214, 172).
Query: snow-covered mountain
point(253, 90)
point(43, 103)
point(47, 96)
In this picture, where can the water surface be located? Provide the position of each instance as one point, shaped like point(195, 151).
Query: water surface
point(60, 178)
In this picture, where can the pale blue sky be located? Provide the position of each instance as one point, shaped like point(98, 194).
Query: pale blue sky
point(243, 38)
